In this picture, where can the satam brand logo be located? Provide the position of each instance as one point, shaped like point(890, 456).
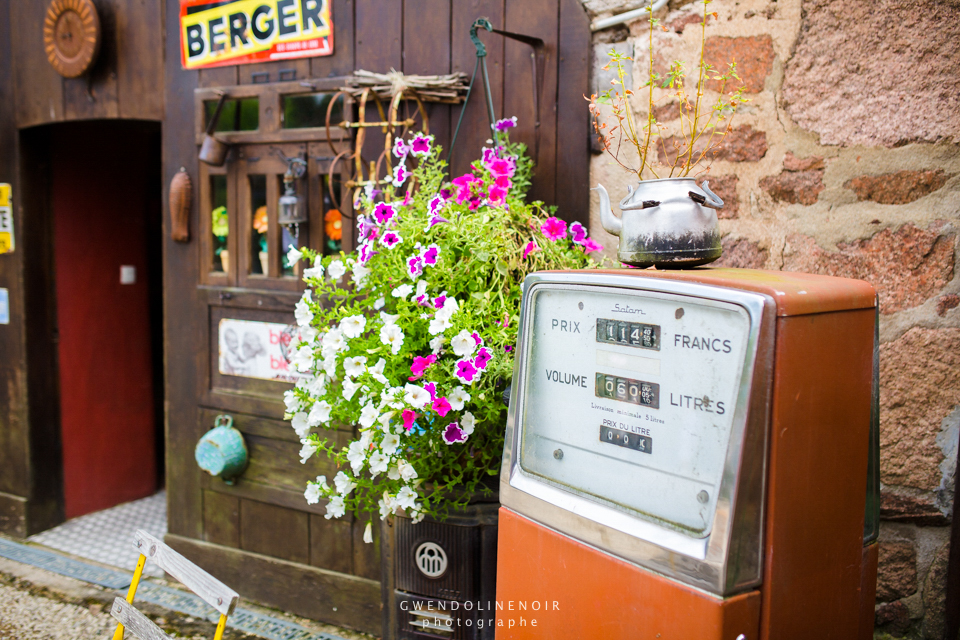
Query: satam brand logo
point(215, 33)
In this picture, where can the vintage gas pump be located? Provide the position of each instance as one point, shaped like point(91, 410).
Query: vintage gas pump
point(691, 455)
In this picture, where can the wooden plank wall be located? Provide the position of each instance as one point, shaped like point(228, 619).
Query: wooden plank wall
point(125, 81)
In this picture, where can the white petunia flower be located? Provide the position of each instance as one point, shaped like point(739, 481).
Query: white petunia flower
point(389, 319)
point(356, 454)
point(308, 335)
point(360, 273)
point(406, 498)
point(316, 271)
point(393, 473)
point(293, 255)
point(368, 415)
point(457, 398)
point(368, 533)
point(407, 472)
point(319, 413)
point(302, 311)
point(436, 345)
point(449, 308)
point(335, 508)
point(467, 423)
point(355, 366)
point(392, 335)
point(378, 463)
point(330, 367)
point(387, 504)
point(303, 359)
point(333, 342)
point(349, 388)
point(353, 326)
point(300, 424)
point(292, 401)
point(463, 344)
point(416, 516)
point(389, 444)
point(312, 494)
point(344, 483)
point(377, 371)
point(379, 304)
point(317, 386)
point(421, 288)
point(307, 451)
point(416, 396)
point(402, 291)
point(336, 270)
point(438, 324)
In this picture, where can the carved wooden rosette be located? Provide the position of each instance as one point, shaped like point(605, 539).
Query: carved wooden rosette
point(181, 194)
point(71, 36)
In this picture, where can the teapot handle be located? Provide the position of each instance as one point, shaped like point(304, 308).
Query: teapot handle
point(711, 200)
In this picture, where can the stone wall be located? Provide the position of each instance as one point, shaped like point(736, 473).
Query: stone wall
point(846, 162)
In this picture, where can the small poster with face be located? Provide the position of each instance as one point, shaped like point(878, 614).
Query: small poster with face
point(262, 350)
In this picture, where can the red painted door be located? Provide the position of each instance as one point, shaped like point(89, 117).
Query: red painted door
point(100, 176)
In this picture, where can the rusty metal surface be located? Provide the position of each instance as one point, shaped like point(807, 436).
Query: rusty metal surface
point(795, 293)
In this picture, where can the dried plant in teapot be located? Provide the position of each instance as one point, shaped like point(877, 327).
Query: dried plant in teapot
point(703, 123)
point(667, 220)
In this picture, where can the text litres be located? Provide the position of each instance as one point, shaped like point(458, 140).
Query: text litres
point(567, 378)
point(702, 343)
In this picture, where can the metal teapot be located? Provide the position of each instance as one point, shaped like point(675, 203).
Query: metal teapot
point(670, 223)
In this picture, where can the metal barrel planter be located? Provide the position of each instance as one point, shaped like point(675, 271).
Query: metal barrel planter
point(440, 578)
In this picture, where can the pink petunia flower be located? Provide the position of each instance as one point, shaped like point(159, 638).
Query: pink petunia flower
point(441, 406)
point(464, 186)
point(506, 123)
point(497, 195)
point(400, 148)
point(437, 202)
point(420, 145)
point(365, 252)
point(414, 266)
point(554, 228)
point(434, 221)
point(489, 155)
point(502, 167)
point(453, 433)
point(391, 239)
point(406, 199)
point(430, 255)
point(400, 175)
point(477, 339)
point(466, 372)
point(384, 213)
point(420, 366)
point(590, 245)
point(530, 248)
point(482, 358)
point(408, 415)
point(438, 302)
point(578, 233)
point(431, 388)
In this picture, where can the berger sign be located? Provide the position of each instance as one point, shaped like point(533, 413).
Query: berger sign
point(215, 33)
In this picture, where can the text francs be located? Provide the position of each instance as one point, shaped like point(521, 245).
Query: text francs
point(702, 343)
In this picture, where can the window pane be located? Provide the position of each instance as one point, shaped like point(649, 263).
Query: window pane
point(332, 220)
point(238, 114)
point(258, 235)
point(219, 222)
point(310, 110)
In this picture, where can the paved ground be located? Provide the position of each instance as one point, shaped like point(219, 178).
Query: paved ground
point(38, 605)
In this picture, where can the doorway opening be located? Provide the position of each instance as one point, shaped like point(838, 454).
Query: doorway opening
point(103, 182)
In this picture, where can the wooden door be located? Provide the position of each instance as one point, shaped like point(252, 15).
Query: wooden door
point(103, 200)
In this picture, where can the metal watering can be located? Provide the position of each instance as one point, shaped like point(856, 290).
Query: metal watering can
point(670, 223)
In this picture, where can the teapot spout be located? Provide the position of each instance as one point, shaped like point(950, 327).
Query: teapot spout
point(610, 222)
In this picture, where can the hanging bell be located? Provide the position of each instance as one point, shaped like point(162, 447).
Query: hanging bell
point(292, 212)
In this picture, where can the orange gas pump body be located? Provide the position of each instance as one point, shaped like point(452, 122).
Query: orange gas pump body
point(818, 578)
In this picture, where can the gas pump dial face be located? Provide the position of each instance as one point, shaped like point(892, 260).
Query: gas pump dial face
point(629, 398)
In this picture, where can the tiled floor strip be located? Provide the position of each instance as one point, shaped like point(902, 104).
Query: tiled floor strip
point(167, 597)
point(107, 536)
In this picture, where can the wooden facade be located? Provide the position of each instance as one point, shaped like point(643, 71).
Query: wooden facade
point(258, 535)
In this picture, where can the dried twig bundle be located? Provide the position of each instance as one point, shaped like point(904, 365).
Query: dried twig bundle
point(450, 88)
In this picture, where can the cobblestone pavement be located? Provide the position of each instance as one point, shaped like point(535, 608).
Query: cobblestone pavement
point(25, 616)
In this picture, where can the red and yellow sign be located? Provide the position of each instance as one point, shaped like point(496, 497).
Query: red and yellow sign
point(214, 33)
